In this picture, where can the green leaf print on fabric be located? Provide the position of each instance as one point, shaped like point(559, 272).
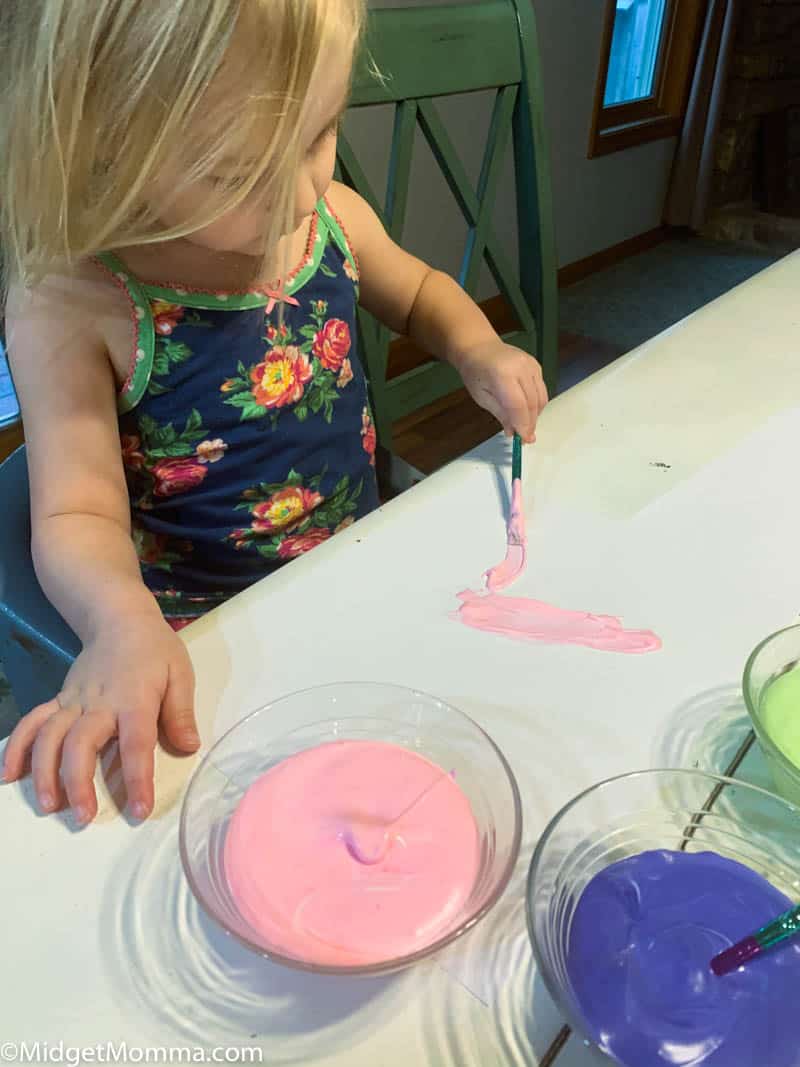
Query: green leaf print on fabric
point(157, 550)
point(162, 442)
point(161, 461)
point(168, 353)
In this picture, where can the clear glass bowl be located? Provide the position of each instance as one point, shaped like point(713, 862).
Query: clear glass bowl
point(349, 711)
point(776, 654)
point(658, 809)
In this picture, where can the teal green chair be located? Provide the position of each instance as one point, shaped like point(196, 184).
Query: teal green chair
point(412, 57)
point(421, 54)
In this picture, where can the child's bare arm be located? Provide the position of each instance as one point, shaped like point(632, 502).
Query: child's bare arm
point(428, 305)
point(86, 562)
point(80, 515)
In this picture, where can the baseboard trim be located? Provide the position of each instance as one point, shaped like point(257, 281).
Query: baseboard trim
point(607, 257)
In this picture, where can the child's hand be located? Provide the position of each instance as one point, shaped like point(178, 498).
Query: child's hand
point(506, 382)
point(132, 673)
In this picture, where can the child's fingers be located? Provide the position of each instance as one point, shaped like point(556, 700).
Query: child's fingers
point(22, 738)
point(540, 390)
point(79, 760)
point(138, 733)
point(46, 756)
point(517, 411)
point(177, 709)
point(537, 390)
point(544, 398)
point(528, 386)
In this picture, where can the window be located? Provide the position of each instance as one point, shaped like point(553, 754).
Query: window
point(647, 59)
point(635, 44)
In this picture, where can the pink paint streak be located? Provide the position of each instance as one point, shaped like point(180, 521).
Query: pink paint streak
point(507, 572)
point(533, 620)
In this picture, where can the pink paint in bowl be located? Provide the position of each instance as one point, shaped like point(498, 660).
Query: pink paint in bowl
point(291, 841)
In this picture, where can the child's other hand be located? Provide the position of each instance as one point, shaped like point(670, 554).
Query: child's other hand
point(506, 382)
point(132, 673)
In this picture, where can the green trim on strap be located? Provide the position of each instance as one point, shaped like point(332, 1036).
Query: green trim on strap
point(338, 234)
point(142, 361)
point(256, 298)
point(311, 265)
point(206, 301)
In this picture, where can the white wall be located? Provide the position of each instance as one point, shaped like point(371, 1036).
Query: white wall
point(597, 202)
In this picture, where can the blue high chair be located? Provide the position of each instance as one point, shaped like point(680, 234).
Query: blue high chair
point(36, 645)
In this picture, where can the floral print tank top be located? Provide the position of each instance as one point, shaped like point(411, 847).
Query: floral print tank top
point(246, 434)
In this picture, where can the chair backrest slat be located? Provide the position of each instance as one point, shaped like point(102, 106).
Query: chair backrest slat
point(411, 57)
point(405, 127)
point(491, 169)
point(436, 51)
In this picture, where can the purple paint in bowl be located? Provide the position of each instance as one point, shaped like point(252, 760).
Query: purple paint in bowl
point(635, 886)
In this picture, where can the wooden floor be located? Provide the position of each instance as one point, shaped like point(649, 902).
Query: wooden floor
point(441, 432)
point(10, 439)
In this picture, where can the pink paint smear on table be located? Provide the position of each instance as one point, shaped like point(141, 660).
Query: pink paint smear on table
point(533, 620)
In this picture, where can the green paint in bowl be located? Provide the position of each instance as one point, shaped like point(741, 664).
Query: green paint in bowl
point(772, 694)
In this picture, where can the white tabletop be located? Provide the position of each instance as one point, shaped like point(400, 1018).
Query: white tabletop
point(661, 490)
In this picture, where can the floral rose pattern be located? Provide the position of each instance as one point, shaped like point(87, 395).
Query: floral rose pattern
point(285, 509)
point(177, 476)
point(163, 462)
point(166, 316)
point(345, 375)
point(305, 372)
point(133, 458)
point(331, 344)
point(369, 438)
point(155, 550)
point(251, 441)
point(281, 378)
point(211, 451)
point(289, 519)
point(292, 547)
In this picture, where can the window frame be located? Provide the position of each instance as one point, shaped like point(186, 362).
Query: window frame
point(620, 126)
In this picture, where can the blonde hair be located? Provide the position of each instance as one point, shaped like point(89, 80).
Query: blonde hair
point(99, 97)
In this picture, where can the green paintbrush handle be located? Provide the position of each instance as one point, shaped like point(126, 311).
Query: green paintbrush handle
point(516, 459)
point(786, 925)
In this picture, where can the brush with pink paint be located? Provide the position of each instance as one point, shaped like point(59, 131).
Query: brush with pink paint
point(501, 576)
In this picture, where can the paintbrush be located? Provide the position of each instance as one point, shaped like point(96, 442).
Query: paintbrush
point(513, 565)
point(516, 523)
point(780, 929)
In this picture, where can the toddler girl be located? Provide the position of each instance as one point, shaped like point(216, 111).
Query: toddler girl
point(183, 276)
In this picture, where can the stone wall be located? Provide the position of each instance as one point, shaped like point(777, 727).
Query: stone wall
point(758, 151)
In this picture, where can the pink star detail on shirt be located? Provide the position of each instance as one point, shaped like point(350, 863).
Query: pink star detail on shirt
point(279, 296)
